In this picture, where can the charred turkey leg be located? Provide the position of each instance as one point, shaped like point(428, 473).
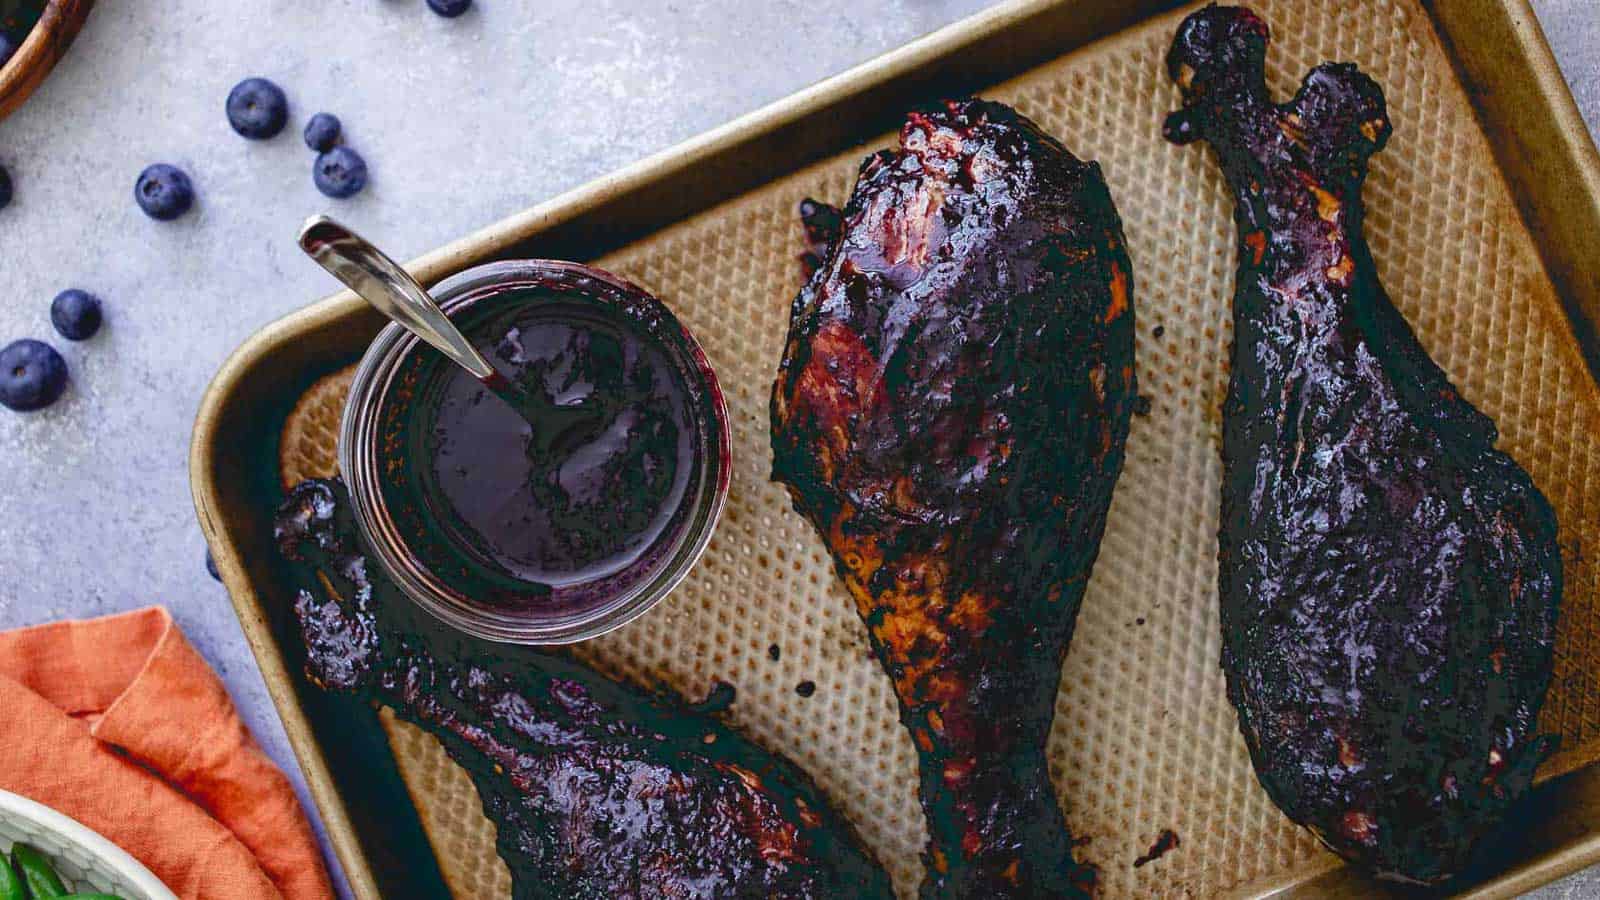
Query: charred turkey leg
point(598, 791)
point(1389, 580)
point(950, 413)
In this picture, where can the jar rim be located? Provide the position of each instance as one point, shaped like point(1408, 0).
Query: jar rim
point(358, 461)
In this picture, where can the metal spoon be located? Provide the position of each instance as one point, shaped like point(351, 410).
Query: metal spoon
point(381, 282)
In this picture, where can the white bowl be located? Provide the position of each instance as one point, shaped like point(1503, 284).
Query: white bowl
point(84, 860)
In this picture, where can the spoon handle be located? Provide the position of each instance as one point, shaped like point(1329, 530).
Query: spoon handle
point(381, 282)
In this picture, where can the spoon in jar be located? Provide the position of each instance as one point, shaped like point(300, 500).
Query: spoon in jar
point(392, 291)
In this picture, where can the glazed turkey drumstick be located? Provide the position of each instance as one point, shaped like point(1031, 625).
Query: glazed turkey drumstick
point(598, 791)
point(1389, 580)
point(950, 413)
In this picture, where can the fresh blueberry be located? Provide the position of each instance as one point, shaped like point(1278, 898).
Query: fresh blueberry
point(340, 173)
point(163, 192)
point(211, 565)
point(9, 44)
point(5, 188)
point(449, 8)
point(32, 375)
point(257, 108)
point(322, 132)
point(75, 314)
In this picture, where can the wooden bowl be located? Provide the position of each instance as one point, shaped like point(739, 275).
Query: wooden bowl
point(44, 45)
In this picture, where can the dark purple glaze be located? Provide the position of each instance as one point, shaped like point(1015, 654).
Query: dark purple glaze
point(950, 413)
point(1166, 842)
point(821, 223)
point(598, 790)
point(580, 483)
point(584, 489)
point(1389, 580)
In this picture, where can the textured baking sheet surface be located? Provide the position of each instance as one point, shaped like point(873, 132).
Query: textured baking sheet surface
point(1144, 738)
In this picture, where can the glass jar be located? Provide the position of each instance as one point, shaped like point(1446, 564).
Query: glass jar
point(423, 537)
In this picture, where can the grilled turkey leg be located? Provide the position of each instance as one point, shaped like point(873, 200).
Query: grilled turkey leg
point(1389, 580)
point(950, 413)
point(598, 791)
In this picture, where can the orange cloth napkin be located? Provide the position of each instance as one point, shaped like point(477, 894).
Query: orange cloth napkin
point(120, 724)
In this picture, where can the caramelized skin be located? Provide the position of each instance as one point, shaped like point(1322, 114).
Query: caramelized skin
point(1389, 580)
point(950, 413)
point(597, 790)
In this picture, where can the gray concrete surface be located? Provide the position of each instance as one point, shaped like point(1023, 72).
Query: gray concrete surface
point(462, 121)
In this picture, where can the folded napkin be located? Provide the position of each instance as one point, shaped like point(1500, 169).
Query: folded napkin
point(120, 724)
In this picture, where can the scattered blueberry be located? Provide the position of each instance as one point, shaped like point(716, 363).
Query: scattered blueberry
point(322, 132)
point(9, 44)
point(32, 375)
point(257, 108)
point(449, 8)
point(774, 653)
point(340, 173)
point(211, 565)
point(806, 688)
point(76, 314)
point(163, 192)
point(5, 188)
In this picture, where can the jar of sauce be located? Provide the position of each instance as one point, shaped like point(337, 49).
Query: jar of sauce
point(562, 516)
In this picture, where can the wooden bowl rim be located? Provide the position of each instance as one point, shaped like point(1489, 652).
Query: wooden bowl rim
point(33, 61)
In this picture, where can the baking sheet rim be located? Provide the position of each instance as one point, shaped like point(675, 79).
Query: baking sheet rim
point(496, 238)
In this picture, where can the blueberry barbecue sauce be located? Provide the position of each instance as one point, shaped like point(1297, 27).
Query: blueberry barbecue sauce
point(574, 495)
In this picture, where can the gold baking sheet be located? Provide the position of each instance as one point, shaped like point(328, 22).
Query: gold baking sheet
point(1144, 738)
